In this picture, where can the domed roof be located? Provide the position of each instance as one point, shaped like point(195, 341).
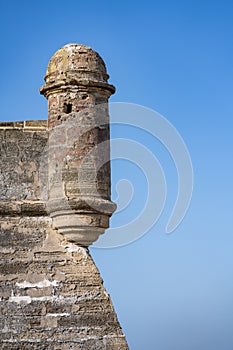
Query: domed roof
point(76, 64)
point(75, 57)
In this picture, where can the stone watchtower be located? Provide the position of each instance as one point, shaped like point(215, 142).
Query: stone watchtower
point(54, 202)
point(79, 174)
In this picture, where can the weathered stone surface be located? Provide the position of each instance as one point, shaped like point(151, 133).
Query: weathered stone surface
point(23, 161)
point(51, 293)
point(77, 89)
point(56, 176)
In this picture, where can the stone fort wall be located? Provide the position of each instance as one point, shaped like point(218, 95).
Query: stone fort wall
point(23, 165)
point(51, 293)
point(54, 202)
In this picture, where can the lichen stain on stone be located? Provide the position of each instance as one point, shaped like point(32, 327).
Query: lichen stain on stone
point(40, 284)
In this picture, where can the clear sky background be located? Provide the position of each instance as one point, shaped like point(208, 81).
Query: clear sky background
point(170, 291)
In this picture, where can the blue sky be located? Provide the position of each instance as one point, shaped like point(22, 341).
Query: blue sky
point(170, 291)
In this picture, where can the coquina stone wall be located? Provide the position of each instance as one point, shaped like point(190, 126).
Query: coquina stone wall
point(51, 293)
